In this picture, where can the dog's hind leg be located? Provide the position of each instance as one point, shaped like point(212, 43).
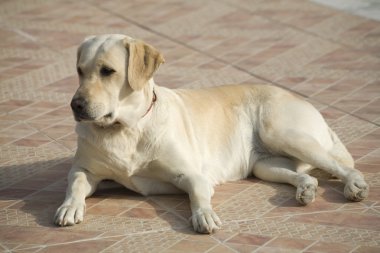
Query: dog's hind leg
point(283, 170)
point(310, 151)
point(339, 151)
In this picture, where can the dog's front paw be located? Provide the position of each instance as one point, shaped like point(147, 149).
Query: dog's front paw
point(356, 189)
point(205, 221)
point(69, 214)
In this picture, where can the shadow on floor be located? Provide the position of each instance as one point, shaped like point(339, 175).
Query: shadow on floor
point(32, 201)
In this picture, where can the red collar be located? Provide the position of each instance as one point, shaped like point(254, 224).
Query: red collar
point(154, 99)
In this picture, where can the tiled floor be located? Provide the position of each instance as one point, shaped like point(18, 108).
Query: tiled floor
point(327, 56)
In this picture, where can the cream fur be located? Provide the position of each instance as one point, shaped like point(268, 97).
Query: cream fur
point(192, 140)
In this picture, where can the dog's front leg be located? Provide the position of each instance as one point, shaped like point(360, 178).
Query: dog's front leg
point(203, 218)
point(81, 183)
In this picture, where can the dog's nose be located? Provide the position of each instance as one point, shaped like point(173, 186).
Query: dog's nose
point(78, 105)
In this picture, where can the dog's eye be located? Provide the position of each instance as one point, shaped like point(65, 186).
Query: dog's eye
point(80, 73)
point(106, 71)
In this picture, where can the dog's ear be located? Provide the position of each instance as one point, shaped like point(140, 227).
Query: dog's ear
point(143, 61)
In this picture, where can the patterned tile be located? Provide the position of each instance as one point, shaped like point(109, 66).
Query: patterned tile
point(327, 56)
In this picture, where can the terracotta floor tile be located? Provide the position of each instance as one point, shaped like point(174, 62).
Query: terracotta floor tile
point(143, 213)
point(6, 203)
point(171, 202)
point(26, 249)
point(46, 196)
point(221, 249)
point(192, 246)
point(4, 124)
point(193, 236)
point(289, 243)
point(14, 193)
point(17, 131)
point(34, 183)
point(327, 56)
point(42, 235)
point(150, 205)
point(126, 202)
point(326, 247)
point(69, 141)
point(89, 246)
point(244, 238)
point(344, 219)
point(222, 235)
point(373, 196)
point(275, 250)
point(13, 104)
point(371, 111)
point(367, 249)
point(243, 248)
point(186, 214)
point(34, 140)
point(371, 168)
point(58, 131)
point(6, 140)
point(99, 209)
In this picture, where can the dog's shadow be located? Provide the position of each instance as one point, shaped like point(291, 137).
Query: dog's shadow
point(33, 200)
point(329, 193)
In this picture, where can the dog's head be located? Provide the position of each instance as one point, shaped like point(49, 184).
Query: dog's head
point(115, 75)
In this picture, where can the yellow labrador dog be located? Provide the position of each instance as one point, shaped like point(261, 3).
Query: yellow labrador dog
point(155, 140)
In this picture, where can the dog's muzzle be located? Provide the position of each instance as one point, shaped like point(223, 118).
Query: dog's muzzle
point(79, 107)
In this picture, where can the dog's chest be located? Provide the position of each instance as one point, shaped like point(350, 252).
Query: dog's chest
point(119, 154)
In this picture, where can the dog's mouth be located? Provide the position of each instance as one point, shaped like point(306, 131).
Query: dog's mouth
point(105, 121)
point(82, 117)
point(85, 117)
point(108, 120)
point(108, 115)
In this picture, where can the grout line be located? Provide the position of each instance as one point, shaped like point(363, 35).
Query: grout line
point(368, 154)
point(212, 248)
point(359, 137)
point(112, 245)
point(171, 211)
point(31, 38)
point(355, 248)
point(25, 35)
point(173, 243)
point(373, 210)
point(5, 248)
point(221, 244)
point(226, 240)
point(262, 246)
point(352, 92)
point(275, 206)
point(311, 245)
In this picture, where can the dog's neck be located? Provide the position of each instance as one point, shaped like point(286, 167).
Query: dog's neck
point(154, 99)
point(144, 102)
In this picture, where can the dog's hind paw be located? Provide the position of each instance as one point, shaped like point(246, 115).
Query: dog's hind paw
point(205, 221)
point(307, 190)
point(306, 194)
point(356, 189)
